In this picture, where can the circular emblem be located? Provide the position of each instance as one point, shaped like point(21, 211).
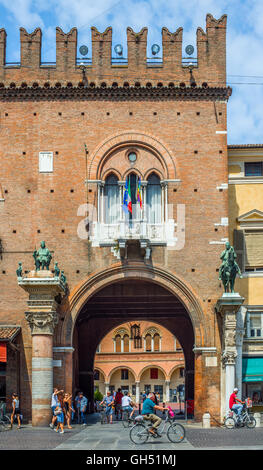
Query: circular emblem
point(189, 49)
point(132, 157)
point(83, 50)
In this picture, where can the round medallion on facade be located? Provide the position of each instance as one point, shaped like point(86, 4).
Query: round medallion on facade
point(132, 157)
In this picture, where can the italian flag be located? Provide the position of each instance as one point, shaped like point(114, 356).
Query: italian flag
point(129, 201)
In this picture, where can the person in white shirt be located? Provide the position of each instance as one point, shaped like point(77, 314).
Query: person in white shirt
point(127, 404)
point(54, 404)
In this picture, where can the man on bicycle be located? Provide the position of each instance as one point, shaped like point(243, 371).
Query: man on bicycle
point(127, 404)
point(148, 412)
point(235, 404)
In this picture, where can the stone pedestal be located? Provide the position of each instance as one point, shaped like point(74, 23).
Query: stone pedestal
point(227, 307)
point(43, 289)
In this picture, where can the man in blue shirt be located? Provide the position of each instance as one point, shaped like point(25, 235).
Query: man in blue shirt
point(148, 412)
point(83, 408)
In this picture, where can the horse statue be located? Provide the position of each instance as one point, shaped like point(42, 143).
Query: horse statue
point(229, 268)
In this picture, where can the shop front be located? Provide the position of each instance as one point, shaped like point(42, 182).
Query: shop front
point(252, 378)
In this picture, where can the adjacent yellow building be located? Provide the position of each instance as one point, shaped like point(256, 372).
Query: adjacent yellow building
point(246, 235)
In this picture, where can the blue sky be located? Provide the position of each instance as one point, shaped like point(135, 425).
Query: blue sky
point(244, 39)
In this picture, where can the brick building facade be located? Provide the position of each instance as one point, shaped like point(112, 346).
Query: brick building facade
point(72, 135)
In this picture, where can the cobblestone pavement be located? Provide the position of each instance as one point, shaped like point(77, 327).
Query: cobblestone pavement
point(115, 437)
point(29, 438)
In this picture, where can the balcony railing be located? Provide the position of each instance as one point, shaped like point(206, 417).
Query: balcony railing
point(155, 233)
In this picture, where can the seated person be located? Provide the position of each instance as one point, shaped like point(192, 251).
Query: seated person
point(148, 409)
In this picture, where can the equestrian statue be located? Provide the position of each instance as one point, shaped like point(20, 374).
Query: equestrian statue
point(229, 268)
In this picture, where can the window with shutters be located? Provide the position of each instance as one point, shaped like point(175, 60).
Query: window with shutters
point(118, 343)
point(153, 373)
point(126, 343)
point(148, 342)
point(156, 342)
point(253, 249)
point(254, 325)
point(248, 244)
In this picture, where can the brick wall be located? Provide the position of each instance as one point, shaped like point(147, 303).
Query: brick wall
point(44, 206)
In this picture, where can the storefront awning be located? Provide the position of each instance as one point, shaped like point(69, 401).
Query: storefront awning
point(252, 369)
point(7, 335)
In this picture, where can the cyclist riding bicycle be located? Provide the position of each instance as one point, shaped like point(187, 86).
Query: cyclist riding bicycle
point(148, 412)
point(127, 404)
point(235, 404)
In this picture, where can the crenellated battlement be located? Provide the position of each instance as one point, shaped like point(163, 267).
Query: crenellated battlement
point(102, 68)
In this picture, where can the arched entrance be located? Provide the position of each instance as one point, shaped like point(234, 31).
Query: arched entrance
point(129, 300)
point(126, 292)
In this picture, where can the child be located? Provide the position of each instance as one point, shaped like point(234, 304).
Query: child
point(60, 419)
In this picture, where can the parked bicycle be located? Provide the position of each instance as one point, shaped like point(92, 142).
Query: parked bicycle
point(140, 433)
point(5, 422)
point(245, 419)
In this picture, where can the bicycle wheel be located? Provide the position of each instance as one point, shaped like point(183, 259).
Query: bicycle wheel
point(251, 422)
point(139, 434)
point(230, 423)
point(176, 433)
point(125, 419)
point(4, 426)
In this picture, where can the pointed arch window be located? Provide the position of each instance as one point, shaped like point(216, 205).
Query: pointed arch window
point(112, 201)
point(148, 342)
point(154, 200)
point(126, 343)
point(118, 343)
point(156, 342)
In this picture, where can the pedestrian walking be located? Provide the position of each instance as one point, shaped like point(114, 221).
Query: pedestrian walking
point(77, 406)
point(108, 400)
point(83, 408)
point(54, 404)
point(15, 410)
point(117, 403)
point(68, 409)
point(60, 419)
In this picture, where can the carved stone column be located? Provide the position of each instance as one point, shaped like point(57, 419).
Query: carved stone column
point(228, 306)
point(43, 289)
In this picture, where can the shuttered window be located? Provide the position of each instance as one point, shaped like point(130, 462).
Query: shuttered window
point(254, 248)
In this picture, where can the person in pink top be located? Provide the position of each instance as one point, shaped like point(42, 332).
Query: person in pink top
point(235, 404)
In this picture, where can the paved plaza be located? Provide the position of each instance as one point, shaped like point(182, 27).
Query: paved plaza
point(115, 437)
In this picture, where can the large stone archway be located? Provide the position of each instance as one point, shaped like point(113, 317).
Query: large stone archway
point(185, 319)
point(173, 283)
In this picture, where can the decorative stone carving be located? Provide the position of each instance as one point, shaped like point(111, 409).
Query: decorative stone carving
point(42, 322)
point(229, 357)
point(43, 289)
point(227, 306)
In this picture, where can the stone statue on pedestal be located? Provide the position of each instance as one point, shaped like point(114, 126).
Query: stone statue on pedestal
point(19, 270)
point(56, 270)
point(229, 268)
point(63, 277)
point(42, 257)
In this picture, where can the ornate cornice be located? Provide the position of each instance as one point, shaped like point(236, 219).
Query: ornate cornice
point(114, 93)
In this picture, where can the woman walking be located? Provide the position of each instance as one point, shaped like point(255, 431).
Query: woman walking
point(15, 410)
point(68, 409)
point(108, 400)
